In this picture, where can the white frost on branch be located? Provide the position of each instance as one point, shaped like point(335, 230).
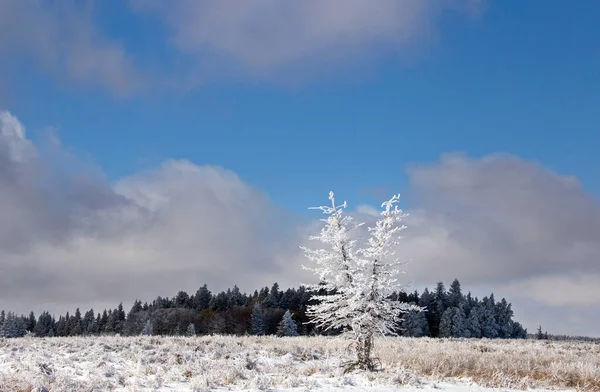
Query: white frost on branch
point(356, 284)
point(336, 268)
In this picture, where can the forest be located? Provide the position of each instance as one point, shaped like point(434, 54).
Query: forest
point(448, 313)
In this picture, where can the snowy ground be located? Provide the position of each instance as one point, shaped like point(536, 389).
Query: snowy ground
point(222, 363)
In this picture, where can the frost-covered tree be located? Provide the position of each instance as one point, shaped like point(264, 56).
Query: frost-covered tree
point(148, 328)
point(487, 318)
point(191, 330)
point(335, 267)
point(454, 324)
point(258, 320)
point(414, 324)
point(473, 323)
point(358, 283)
point(504, 320)
point(455, 297)
point(287, 326)
point(13, 326)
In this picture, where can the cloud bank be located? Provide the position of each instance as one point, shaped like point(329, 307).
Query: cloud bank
point(69, 238)
point(500, 224)
point(503, 224)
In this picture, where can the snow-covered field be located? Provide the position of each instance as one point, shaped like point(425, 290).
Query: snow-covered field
point(219, 363)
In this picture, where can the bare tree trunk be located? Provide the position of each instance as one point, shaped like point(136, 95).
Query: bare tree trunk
point(363, 351)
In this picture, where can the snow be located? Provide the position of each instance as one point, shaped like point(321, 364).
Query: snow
point(252, 363)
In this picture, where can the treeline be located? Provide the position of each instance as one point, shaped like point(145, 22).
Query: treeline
point(449, 314)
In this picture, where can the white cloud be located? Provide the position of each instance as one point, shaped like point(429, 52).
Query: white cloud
point(62, 39)
point(72, 239)
point(576, 290)
point(210, 39)
point(501, 218)
point(503, 224)
point(267, 37)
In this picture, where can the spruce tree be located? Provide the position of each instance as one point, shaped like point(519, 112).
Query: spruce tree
point(455, 297)
point(473, 323)
point(414, 324)
point(148, 328)
point(191, 330)
point(454, 324)
point(487, 318)
point(258, 320)
point(287, 326)
point(202, 298)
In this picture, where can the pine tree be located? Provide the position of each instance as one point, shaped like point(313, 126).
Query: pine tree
point(287, 326)
point(258, 320)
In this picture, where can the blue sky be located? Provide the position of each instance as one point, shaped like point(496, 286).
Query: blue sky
point(482, 114)
point(518, 78)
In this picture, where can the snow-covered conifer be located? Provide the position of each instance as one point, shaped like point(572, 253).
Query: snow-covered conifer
point(358, 283)
point(487, 318)
point(473, 323)
point(454, 324)
point(287, 325)
point(148, 328)
point(191, 330)
point(13, 326)
point(258, 320)
point(414, 324)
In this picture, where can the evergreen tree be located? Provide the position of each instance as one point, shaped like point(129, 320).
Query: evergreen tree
point(219, 302)
point(455, 297)
point(31, 322)
point(414, 324)
point(487, 318)
point(287, 326)
point(44, 325)
point(103, 324)
point(148, 329)
point(191, 330)
point(518, 331)
point(473, 323)
point(273, 298)
point(258, 320)
point(504, 320)
point(182, 300)
point(441, 297)
point(539, 335)
point(236, 298)
point(13, 326)
point(202, 298)
point(120, 318)
point(454, 324)
point(434, 318)
point(75, 328)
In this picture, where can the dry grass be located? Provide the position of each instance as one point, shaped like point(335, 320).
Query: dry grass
point(205, 363)
point(513, 364)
